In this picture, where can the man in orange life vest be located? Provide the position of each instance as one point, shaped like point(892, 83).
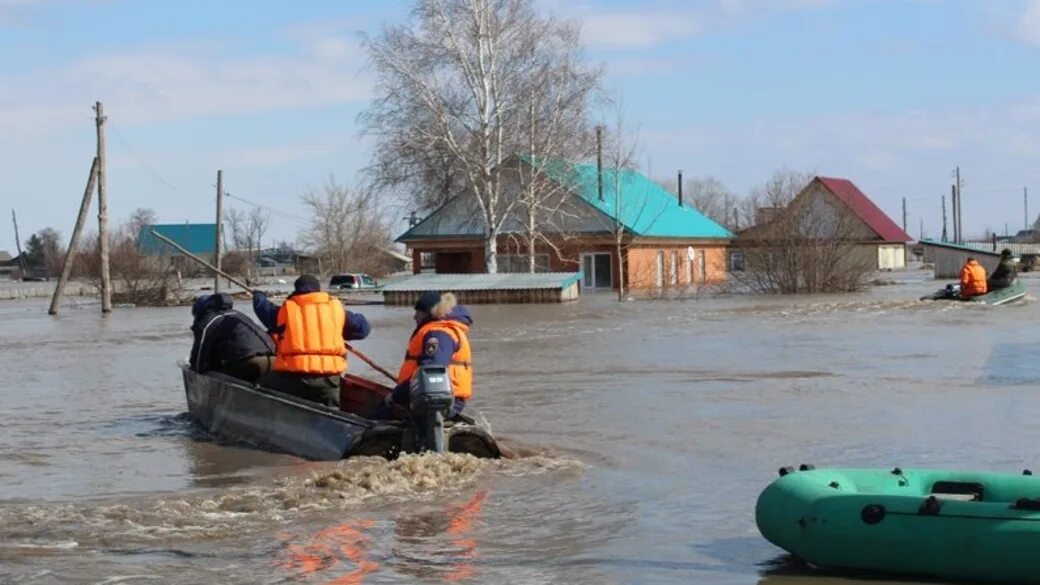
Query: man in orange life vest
point(973, 279)
point(441, 337)
point(308, 330)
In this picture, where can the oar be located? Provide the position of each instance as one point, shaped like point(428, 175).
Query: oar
point(245, 287)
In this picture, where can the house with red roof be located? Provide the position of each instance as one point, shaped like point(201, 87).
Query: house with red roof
point(832, 224)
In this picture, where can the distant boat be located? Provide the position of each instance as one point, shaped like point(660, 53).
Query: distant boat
point(1001, 296)
point(945, 524)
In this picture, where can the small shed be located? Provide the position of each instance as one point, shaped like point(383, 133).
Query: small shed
point(544, 287)
point(948, 258)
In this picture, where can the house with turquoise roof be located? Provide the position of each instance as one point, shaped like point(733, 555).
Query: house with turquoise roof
point(582, 217)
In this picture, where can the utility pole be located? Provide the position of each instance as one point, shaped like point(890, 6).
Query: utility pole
point(680, 187)
point(953, 220)
point(944, 237)
point(220, 221)
point(18, 244)
point(66, 267)
point(960, 205)
point(106, 282)
point(904, 215)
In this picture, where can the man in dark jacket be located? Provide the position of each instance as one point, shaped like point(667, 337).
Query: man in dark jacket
point(309, 329)
point(1005, 272)
point(228, 341)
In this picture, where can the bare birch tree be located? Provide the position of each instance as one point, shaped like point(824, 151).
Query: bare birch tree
point(804, 244)
point(453, 87)
point(348, 230)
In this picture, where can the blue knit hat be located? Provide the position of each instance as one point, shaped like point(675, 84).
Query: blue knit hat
point(200, 304)
point(427, 301)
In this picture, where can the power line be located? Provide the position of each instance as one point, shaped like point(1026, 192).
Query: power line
point(134, 157)
point(285, 214)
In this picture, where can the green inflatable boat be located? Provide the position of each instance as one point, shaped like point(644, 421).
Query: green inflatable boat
point(947, 524)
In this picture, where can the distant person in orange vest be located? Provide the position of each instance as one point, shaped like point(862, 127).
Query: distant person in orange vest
point(973, 279)
point(441, 337)
point(308, 330)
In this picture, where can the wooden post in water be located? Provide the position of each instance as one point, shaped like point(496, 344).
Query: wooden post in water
point(18, 244)
point(220, 219)
point(66, 267)
point(106, 281)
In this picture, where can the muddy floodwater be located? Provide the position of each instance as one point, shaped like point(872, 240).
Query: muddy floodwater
point(648, 430)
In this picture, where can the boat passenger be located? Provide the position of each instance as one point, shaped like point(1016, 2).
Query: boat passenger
point(441, 337)
point(308, 330)
point(228, 341)
point(973, 279)
point(1005, 272)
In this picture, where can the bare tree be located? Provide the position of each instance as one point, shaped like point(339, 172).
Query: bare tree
point(455, 85)
point(141, 276)
point(237, 223)
point(348, 230)
point(257, 227)
point(709, 196)
point(804, 244)
point(141, 218)
point(45, 252)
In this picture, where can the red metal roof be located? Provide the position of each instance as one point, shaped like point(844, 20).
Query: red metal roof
point(864, 208)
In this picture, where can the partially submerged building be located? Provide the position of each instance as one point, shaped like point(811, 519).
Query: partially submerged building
point(664, 242)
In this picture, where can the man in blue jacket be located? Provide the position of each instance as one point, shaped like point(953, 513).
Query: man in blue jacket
point(228, 341)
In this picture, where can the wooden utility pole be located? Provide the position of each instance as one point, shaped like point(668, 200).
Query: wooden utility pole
point(953, 199)
point(66, 267)
point(106, 281)
point(220, 220)
point(18, 244)
point(960, 206)
point(904, 215)
point(944, 236)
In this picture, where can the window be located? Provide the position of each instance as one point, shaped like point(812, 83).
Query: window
point(704, 265)
point(675, 268)
point(736, 261)
point(518, 263)
point(659, 269)
point(342, 279)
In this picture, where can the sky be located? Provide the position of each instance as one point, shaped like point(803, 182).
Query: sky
point(891, 94)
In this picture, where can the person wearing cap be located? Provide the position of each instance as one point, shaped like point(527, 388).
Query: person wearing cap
point(1005, 272)
point(441, 337)
point(228, 341)
point(308, 330)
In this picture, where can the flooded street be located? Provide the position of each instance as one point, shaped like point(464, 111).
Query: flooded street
point(649, 428)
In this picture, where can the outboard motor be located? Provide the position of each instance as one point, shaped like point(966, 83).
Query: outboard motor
point(431, 399)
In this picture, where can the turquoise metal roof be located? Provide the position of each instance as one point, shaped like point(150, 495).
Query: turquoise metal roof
point(646, 208)
point(197, 238)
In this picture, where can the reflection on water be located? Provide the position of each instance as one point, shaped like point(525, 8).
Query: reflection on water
point(646, 432)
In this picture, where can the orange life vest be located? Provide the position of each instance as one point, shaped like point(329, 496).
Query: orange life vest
point(460, 370)
point(973, 279)
point(309, 339)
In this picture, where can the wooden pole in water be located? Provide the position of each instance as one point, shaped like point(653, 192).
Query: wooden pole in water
point(106, 281)
point(18, 244)
point(66, 267)
point(220, 219)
